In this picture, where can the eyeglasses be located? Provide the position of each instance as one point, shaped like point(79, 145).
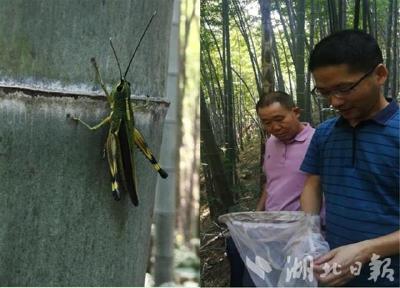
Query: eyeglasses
point(340, 92)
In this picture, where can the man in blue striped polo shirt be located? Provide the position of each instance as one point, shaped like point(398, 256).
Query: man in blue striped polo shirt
point(353, 160)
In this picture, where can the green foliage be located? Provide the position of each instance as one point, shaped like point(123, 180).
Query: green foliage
point(244, 84)
point(187, 262)
point(246, 95)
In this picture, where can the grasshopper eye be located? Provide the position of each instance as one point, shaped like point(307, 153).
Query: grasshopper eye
point(119, 88)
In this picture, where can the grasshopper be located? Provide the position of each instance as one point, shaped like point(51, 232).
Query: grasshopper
point(123, 135)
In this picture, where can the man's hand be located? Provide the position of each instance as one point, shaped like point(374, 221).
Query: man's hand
point(333, 268)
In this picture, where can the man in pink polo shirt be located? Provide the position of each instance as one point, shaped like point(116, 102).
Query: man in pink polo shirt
point(284, 152)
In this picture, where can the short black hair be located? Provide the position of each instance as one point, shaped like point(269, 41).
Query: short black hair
point(357, 49)
point(277, 96)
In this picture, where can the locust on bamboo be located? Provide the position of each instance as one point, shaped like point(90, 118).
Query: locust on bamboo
point(123, 135)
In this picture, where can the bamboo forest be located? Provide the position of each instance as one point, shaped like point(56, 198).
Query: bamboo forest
point(249, 48)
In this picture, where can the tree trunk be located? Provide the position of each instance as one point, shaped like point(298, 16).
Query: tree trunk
point(239, 115)
point(292, 20)
point(388, 49)
point(208, 82)
point(59, 223)
point(321, 19)
point(356, 23)
point(267, 67)
point(395, 55)
point(221, 93)
point(223, 198)
point(266, 48)
point(289, 73)
point(165, 210)
point(308, 83)
point(333, 18)
point(370, 20)
point(221, 123)
point(342, 14)
point(229, 93)
point(376, 19)
point(189, 150)
point(288, 37)
point(299, 61)
point(365, 15)
point(277, 64)
point(246, 33)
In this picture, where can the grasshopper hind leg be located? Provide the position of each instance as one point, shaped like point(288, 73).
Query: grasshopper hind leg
point(111, 147)
point(115, 189)
point(141, 144)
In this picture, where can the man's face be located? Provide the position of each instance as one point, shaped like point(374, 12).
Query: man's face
point(356, 104)
point(280, 121)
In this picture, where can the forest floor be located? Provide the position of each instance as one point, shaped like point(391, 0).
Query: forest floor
point(214, 270)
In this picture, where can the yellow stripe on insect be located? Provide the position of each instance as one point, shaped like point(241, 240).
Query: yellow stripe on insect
point(128, 114)
point(114, 186)
point(112, 150)
point(139, 141)
point(143, 146)
point(113, 169)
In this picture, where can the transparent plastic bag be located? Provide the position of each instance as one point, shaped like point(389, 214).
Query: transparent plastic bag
point(277, 247)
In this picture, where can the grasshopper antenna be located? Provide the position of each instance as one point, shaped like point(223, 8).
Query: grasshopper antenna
point(116, 58)
point(144, 32)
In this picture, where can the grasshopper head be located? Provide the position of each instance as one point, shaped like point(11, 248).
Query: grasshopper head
point(123, 89)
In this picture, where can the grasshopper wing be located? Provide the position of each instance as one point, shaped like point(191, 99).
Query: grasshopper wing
point(126, 162)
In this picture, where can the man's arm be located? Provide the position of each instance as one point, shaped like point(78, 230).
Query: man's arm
point(261, 203)
point(311, 197)
point(348, 255)
point(384, 246)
